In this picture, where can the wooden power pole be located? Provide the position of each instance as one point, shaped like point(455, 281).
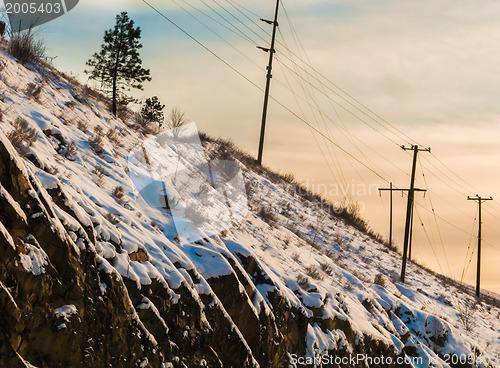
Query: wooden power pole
point(271, 51)
point(409, 206)
point(479, 200)
point(392, 189)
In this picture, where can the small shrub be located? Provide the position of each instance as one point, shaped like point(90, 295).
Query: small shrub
point(70, 104)
point(87, 91)
point(53, 170)
point(367, 260)
point(176, 119)
point(286, 242)
point(95, 141)
point(154, 223)
point(313, 272)
point(64, 120)
point(325, 267)
point(22, 134)
point(113, 135)
point(147, 127)
point(71, 151)
point(112, 218)
point(469, 309)
point(328, 252)
point(295, 257)
point(26, 47)
point(350, 212)
point(379, 280)
point(99, 172)
point(249, 189)
point(118, 192)
point(297, 233)
point(82, 126)
point(123, 112)
point(303, 281)
point(266, 215)
point(338, 239)
point(312, 243)
point(151, 128)
point(33, 91)
point(288, 178)
point(357, 275)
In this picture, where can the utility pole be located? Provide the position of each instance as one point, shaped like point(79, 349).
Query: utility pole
point(479, 200)
point(392, 189)
point(271, 51)
point(411, 233)
point(409, 206)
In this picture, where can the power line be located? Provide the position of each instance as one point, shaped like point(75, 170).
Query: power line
point(338, 167)
point(233, 30)
point(310, 96)
point(322, 91)
point(212, 30)
point(429, 240)
point(238, 20)
point(437, 225)
point(201, 44)
point(464, 270)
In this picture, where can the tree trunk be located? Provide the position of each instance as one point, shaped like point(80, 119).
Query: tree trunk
point(115, 77)
point(114, 95)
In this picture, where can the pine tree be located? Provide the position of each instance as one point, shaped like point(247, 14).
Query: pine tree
point(152, 110)
point(118, 65)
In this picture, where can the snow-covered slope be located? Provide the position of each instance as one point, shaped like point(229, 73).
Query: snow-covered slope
point(283, 283)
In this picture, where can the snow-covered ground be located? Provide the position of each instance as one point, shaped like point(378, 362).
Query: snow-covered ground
point(323, 267)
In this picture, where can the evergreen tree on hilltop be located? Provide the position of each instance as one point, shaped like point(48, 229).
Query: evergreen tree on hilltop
point(152, 110)
point(118, 65)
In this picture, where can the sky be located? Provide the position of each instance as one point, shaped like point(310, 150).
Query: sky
point(430, 70)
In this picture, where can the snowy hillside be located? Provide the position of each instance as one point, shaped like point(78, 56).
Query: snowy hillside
point(97, 270)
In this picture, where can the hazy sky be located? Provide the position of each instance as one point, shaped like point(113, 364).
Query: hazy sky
point(430, 68)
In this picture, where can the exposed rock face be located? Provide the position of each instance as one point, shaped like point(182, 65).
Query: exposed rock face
point(102, 332)
point(106, 329)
